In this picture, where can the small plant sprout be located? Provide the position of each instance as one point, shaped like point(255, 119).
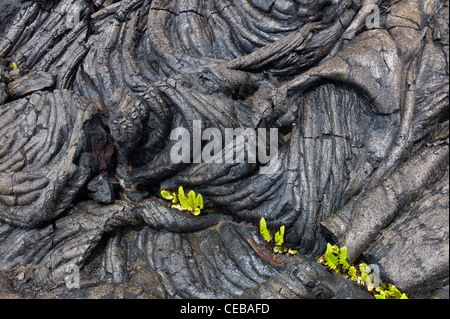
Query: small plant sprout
point(331, 258)
point(169, 196)
point(335, 259)
point(15, 66)
point(193, 203)
point(279, 238)
point(352, 273)
point(343, 258)
point(365, 272)
point(388, 291)
point(264, 231)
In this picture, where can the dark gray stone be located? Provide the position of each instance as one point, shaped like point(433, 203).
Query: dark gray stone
point(102, 190)
point(8, 11)
point(414, 248)
point(85, 124)
point(29, 83)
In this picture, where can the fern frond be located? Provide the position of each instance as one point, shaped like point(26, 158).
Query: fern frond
point(343, 258)
point(199, 201)
point(365, 272)
point(364, 269)
point(166, 195)
point(331, 259)
point(182, 198)
point(352, 273)
point(264, 231)
point(191, 199)
point(381, 295)
point(336, 259)
point(332, 249)
point(280, 249)
point(389, 291)
point(397, 294)
point(332, 262)
point(193, 203)
point(279, 236)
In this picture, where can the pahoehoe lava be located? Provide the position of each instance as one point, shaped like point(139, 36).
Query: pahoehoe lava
point(90, 92)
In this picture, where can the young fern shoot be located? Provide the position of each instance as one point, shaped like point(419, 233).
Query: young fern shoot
point(279, 238)
point(193, 203)
point(264, 231)
point(335, 258)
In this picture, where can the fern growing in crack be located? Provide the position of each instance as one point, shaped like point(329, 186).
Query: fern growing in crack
point(343, 258)
point(278, 239)
point(264, 231)
point(192, 203)
point(335, 258)
point(388, 291)
point(331, 257)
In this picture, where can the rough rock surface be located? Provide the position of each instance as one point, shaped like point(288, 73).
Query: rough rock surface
point(361, 112)
point(8, 10)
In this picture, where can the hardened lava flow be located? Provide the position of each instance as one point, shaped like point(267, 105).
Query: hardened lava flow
point(91, 92)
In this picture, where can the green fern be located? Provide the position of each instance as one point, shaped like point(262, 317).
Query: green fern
point(352, 273)
point(365, 272)
point(199, 201)
point(279, 241)
point(343, 258)
point(388, 291)
point(381, 294)
point(280, 249)
point(336, 260)
point(182, 198)
point(331, 258)
point(279, 238)
point(264, 231)
point(193, 203)
point(168, 195)
point(397, 293)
